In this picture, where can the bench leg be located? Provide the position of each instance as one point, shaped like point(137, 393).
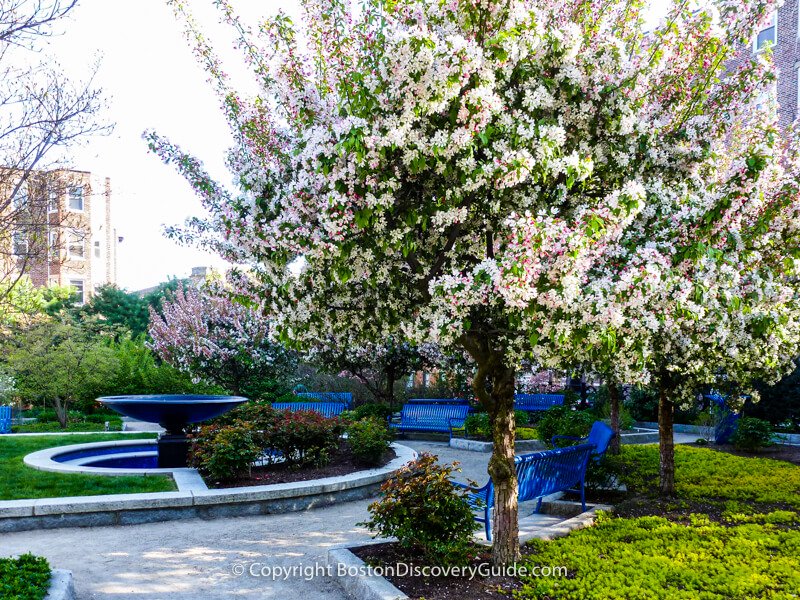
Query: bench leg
point(539, 505)
point(487, 516)
point(583, 498)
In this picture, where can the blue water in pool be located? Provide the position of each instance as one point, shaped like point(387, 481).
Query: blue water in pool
point(131, 462)
point(108, 457)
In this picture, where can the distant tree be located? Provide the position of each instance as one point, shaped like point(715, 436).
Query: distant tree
point(377, 366)
point(60, 363)
point(211, 335)
point(127, 309)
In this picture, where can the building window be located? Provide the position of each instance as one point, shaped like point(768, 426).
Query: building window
point(52, 201)
point(97, 249)
point(76, 198)
point(768, 35)
point(76, 245)
point(21, 197)
point(20, 242)
point(53, 244)
point(77, 296)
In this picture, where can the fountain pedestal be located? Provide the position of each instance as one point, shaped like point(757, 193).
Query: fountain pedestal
point(173, 413)
point(173, 450)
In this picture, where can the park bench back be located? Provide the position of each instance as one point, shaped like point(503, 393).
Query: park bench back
point(437, 401)
point(599, 437)
point(538, 475)
point(536, 402)
point(326, 409)
point(431, 417)
point(345, 398)
point(5, 419)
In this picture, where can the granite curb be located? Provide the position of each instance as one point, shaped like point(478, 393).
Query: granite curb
point(61, 585)
point(122, 509)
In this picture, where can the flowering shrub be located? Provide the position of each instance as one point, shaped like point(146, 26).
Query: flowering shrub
point(562, 420)
point(369, 440)
point(370, 410)
point(479, 425)
point(225, 453)
point(304, 438)
point(424, 511)
point(752, 434)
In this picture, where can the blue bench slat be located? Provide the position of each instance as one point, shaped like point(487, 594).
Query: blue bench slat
point(431, 417)
point(534, 402)
point(538, 475)
point(5, 419)
point(437, 401)
point(326, 409)
point(345, 398)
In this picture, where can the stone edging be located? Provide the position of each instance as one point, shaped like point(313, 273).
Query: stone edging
point(125, 509)
point(349, 571)
point(781, 438)
point(478, 446)
point(61, 585)
point(44, 460)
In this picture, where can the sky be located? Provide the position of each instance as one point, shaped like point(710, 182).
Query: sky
point(152, 81)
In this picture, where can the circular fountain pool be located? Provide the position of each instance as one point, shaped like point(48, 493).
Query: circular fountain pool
point(121, 457)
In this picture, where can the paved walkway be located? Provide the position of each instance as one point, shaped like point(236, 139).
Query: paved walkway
point(196, 559)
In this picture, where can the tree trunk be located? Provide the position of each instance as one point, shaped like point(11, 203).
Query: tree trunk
point(666, 444)
point(61, 412)
point(505, 548)
point(613, 401)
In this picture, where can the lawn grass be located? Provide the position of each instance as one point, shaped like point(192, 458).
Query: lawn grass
point(54, 427)
point(18, 481)
point(732, 532)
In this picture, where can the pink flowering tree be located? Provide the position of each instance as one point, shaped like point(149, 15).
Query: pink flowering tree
point(521, 180)
point(216, 337)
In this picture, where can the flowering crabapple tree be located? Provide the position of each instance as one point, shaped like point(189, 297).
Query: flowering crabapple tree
point(466, 173)
point(214, 336)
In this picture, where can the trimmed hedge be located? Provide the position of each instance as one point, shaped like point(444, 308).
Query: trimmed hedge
point(26, 577)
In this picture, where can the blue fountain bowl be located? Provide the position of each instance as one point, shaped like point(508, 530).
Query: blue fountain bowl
point(172, 412)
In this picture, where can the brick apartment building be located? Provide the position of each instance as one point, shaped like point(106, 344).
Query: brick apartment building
point(64, 233)
point(781, 32)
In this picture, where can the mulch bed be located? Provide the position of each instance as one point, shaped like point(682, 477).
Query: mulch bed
point(343, 463)
point(441, 588)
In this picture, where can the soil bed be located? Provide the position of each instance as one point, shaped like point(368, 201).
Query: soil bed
point(342, 463)
point(440, 588)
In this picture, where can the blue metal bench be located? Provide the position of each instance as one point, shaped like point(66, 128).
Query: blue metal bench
point(537, 402)
point(599, 436)
point(431, 417)
point(538, 475)
point(345, 398)
point(5, 419)
point(326, 409)
point(437, 401)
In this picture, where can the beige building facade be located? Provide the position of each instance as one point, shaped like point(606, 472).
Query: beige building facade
point(64, 232)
